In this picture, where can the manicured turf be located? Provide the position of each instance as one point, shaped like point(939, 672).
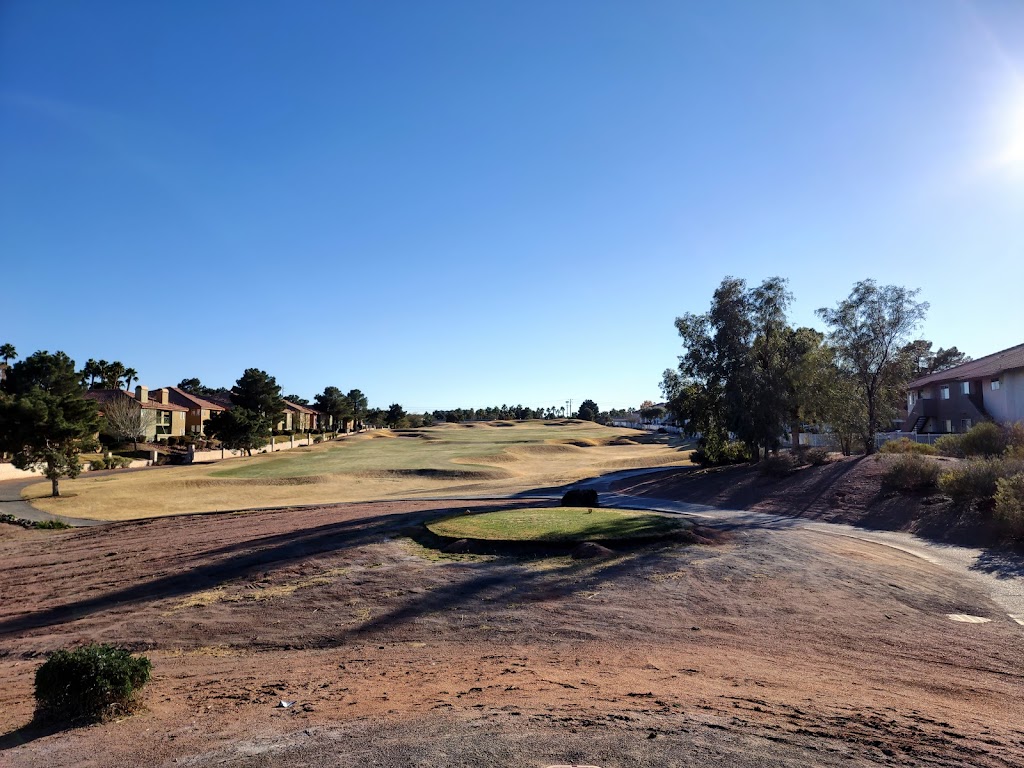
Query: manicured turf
point(558, 524)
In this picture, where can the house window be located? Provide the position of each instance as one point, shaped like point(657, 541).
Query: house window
point(995, 384)
point(949, 425)
point(163, 422)
point(944, 392)
point(965, 387)
point(965, 425)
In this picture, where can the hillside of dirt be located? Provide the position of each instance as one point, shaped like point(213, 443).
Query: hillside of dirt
point(771, 647)
point(847, 490)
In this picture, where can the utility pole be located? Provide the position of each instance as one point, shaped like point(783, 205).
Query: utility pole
point(568, 405)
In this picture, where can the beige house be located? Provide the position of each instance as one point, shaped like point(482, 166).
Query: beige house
point(199, 409)
point(170, 418)
point(298, 418)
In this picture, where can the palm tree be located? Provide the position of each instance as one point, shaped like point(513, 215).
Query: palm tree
point(8, 353)
point(130, 374)
point(113, 375)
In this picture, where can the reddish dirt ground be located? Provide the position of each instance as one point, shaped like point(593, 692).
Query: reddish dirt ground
point(768, 648)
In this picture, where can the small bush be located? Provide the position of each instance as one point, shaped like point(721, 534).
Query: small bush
point(1009, 504)
point(172, 440)
point(817, 457)
point(50, 525)
point(97, 464)
point(971, 481)
point(950, 445)
point(580, 497)
point(318, 439)
point(778, 465)
point(89, 683)
point(985, 439)
point(906, 445)
point(910, 472)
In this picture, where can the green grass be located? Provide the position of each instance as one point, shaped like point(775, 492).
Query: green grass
point(557, 524)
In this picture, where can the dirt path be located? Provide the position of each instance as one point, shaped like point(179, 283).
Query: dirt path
point(781, 646)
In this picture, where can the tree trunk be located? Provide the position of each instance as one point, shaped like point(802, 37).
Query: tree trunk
point(56, 485)
point(794, 433)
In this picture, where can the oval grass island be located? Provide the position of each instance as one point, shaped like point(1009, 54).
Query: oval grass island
point(556, 528)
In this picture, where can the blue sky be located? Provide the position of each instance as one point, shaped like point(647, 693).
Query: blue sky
point(462, 203)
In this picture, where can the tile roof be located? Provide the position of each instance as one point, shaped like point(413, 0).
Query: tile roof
point(982, 368)
point(103, 396)
point(300, 408)
point(194, 401)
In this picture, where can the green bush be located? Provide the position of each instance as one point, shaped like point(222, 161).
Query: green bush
point(984, 439)
point(906, 445)
point(97, 464)
point(89, 683)
point(910, 472)
point(970, 481)
point(950, 445)
point(580, 497)
point(1009, 504)
point(50, 525)
point(731, 453)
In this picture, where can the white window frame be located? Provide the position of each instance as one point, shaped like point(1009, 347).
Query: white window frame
point(949, 425)
point(965, 425)
point(965, 387)
point(994, 384)
point(944, 392)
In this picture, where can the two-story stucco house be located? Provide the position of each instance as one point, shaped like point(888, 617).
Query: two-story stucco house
point(169, 418)
point(954, 400)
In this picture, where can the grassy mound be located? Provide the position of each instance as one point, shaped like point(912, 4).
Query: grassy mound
point(550, 524)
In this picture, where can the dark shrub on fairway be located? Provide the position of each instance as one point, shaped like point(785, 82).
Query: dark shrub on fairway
point(89, 683)
point(580, 497)
point(911, 472)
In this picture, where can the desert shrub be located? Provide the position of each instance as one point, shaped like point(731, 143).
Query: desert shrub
point(970, 481)
point(910, 472)
point(97, 464)
point(817, 456)
point(318, 439)
point(1009, 503)
point(984, 439)
point(580, 497)
point(778, 465)
point(50, 525)
point(89, 683)
point(950, 445)
point(118, 462)
point(906, 445)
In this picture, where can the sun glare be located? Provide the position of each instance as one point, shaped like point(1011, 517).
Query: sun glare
point(1011, 152)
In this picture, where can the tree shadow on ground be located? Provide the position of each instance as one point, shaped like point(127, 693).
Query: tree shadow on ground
point(1001, 563)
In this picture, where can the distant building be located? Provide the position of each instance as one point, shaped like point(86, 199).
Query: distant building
point(990, 388)
point(170, 417)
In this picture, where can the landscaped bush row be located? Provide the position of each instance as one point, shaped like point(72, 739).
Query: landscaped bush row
point(976, 480)
point(41, 524)
point(906, 445)
point(986, 440)
point(110, 462)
